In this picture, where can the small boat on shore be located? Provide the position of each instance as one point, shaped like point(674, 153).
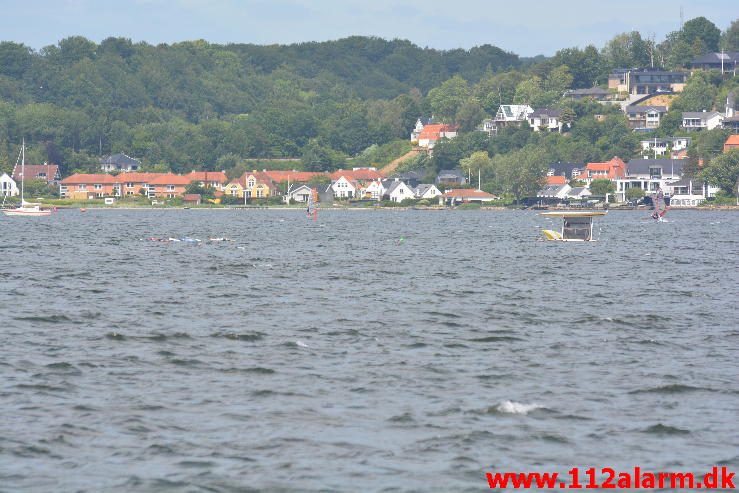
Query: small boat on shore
point(576, 225)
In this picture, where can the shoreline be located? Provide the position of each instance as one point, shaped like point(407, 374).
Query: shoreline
point(346, 208)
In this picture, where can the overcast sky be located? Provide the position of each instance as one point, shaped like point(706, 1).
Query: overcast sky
point(526, 27)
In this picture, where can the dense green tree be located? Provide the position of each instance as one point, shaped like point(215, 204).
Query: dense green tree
point(698, 94)
point(318, 157)
point(601, 187)
point(447, 99)
point(723, 172)
point(703, 30)
point(730, 37)
point(627, 50)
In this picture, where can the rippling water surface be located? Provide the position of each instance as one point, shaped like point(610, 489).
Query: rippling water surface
point(366, 351)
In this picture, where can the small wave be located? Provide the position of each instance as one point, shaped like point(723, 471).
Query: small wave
point(257, 369)
point(496, 339)
point(660, 429)
point(50, 319)
point(512, 407)
point(115, 336)
point(674, 388)
point(248, 337)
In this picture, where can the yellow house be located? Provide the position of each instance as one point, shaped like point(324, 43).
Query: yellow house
point(234, 189)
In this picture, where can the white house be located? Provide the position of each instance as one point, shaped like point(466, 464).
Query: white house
point(373, 190)
point(344, 188)
point(660, 147)
point(420, 123)
point(649, 175)
point(688, 193)
point(546, 119)
point(298, 193)
point(554, 191)
point(511, 114)
point(579, 193)
point(427, 191)
point(8, 187)
point(700, 120)
point(399, 191)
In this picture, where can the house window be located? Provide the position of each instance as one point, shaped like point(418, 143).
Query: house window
point(129, 192)
point(170, 188)
point(260, 193)
point(247, 193)
point(99, 195)
point(251, 183)
point(655, 172)
point(129, 185)
point(170, 195)
point(98, 186)
point(81, 187)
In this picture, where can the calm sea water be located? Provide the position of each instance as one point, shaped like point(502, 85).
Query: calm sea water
point(365, 351)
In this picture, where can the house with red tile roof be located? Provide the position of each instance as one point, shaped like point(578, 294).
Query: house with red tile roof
point(612, 169)
point(47, 172)
point(279, 176)
point(89, 186)
point(362, 175)
point(557, 180)
point(167, 186)
point(731, 143)
point(431, 134)
point(209, 179)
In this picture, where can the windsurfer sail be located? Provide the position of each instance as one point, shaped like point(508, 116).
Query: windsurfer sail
point(660, 206)
point(312, 205)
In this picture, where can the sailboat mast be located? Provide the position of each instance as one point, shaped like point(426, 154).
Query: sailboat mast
point(23, 169)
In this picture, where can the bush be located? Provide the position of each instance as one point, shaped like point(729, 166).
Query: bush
point(408, 202)
point(469, 206)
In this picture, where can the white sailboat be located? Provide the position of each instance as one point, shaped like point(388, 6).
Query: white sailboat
point(26, 208)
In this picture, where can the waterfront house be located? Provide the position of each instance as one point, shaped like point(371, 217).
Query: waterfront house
point(209, 179)
point(432, 133)
point(701, 120)
point(235, 188)
point(689, 193)
point(427, 191)
point(579, 193)
point(192, 199)
point(610, 170)
point(731, 143)
point(167, 185)
point(374, 190)
point(398, 192)
point(85, 186)
point(467, 195)
point(8, 187)
point(554, 191)
point(451, 177)
point(545, 119)
point(344, 188)
point(649, 175)
point(644, 116)
point(298, 192)
point(119, 162)
point(133, 183)
point(49, 173)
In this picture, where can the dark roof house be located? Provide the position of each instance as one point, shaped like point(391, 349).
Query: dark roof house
point(119, 162)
